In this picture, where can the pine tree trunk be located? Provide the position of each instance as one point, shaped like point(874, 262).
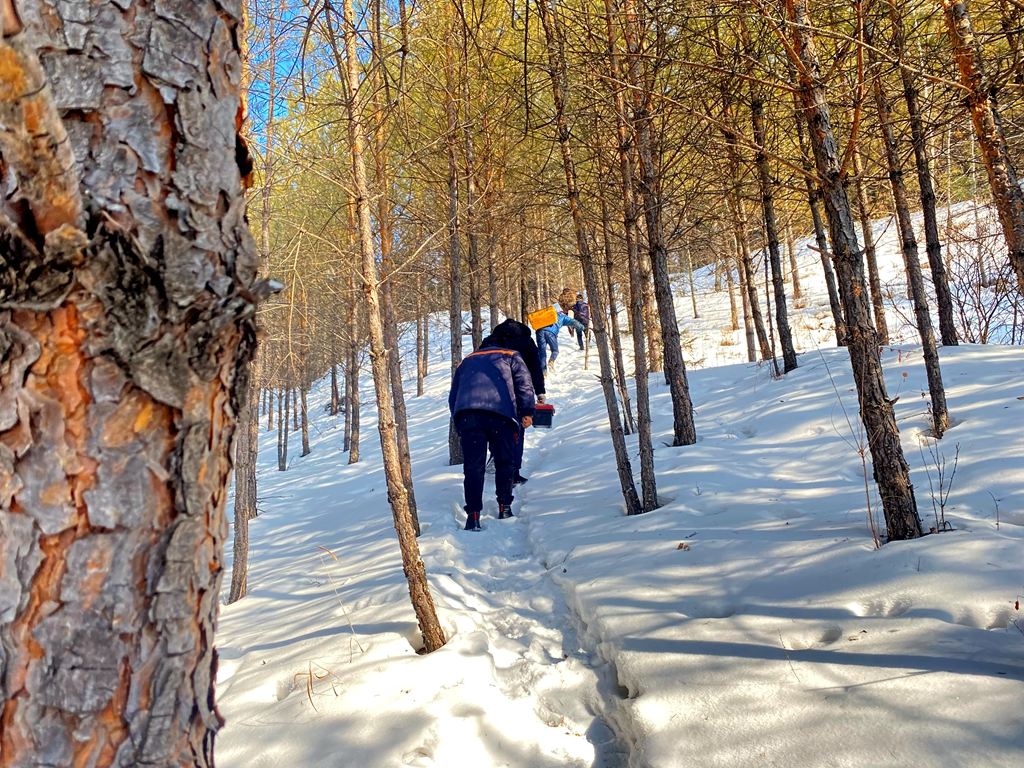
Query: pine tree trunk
point(943, 299)
point(1002, 177)
point(472, 234)
point(282, 429)
point(684, 432)
point(748, 283)
point(335, 395)
point(648, 481)
point(940, 413)
point(246, 450)
point(270, 410)
point(689, 272)
point(629, 425)
point(557, 73)
point(892, 475)
point(421, 331)
point(794, 269)
point(122, 376)
point(814, 194)
point(353, 402)
point(454, 247)
point(877, 299)
point(419, 592)
point(304, 419)
point(772, 230)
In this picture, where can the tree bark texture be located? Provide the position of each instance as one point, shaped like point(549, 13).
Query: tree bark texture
point(814, 194)
point(282, 430)
point(764, 175)
point(940, 413)
point(412, 564)
point(1002, 178)
point(246, 451)
point(892, 475)
point(943, 299)
point(794, 269)
point(684, 431)
point(304, 419)
point(125, 335)
point(870, 256)
point(641, 378)
point(559, 87)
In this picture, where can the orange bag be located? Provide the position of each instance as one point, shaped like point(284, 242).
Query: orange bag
point(542, 318)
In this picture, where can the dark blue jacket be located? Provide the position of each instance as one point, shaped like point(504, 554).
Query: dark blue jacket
point(582, 312)
point(511, 334)
point(495, 380)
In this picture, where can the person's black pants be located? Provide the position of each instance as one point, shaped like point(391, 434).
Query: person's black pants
point(477, 431)
point(583, 333)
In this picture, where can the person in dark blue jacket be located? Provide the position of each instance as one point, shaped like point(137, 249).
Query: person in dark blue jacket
point(492, 395)
point(581, 311)
point(511, 334)
point(548, 337)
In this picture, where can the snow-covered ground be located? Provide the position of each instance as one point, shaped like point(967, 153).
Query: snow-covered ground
point(749, 621)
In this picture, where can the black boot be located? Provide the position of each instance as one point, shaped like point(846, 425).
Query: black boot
point(473, 521)
point(519, 480)
point(504, 511)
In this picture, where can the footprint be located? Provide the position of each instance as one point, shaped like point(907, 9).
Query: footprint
point(419, 757)
point(713, 611)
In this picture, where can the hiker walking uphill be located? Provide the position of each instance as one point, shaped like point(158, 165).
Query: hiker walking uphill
point(581, 312)
point(511, 334)
point(492, 395)
point(548, 337)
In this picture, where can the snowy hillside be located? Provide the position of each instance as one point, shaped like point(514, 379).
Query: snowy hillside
point(749, 621)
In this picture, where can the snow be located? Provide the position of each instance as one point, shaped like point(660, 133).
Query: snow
point(748, 621)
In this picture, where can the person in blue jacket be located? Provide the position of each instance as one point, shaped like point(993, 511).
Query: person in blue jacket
point(492, 394)
point(548, 337)
point(511, 334)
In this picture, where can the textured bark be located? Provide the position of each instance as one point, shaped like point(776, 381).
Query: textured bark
point(940, 413)
point(772, 229)
point(648, 481)
point(1002, 177)
point(734, 316)
point(943, 299)
point(559, 87)
point(422, 331)
point(689, 273)
point(246, 448)
point(352, 406)
point(628, 425)
point(814, 195)
point(684, 432)
point(871, 258)
point(472, 212)
point(390, 322)
point(335, 405)
point(412, 564)
point(126, 328)
point(892, 475)
point(748, 281)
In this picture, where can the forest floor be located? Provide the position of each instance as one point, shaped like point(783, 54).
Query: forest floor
point(749, 621)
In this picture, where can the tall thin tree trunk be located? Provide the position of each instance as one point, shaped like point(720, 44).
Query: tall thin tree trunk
point(389, 320)
point(421, 322)
point(246, 449)
point(772, 230)
point(794, 269)
point(412, 564)
point(892, 475)
point(335, 394)
point(814, 194)
point(353, 404)
point(472, 210)
point(877, 299)
point(684, 432)
point(270, 411)
point(748, 280)
point(648, 481)
point(304, 418)
point(1002, 177)
point(940, 413)
point(689, 272)
point(629, 425)
point(559, 85)
point(943, 299)
point(454, 247)
point(282, 430)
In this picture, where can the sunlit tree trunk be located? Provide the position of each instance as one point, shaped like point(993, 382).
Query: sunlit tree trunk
point(122, 376)
point(454, 247)
point(412, 564)
point(892, 475)
point(557, 73)
point(871, 258)
point(1002, 178)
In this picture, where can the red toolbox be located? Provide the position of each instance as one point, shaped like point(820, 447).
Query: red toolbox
point(543, 415)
